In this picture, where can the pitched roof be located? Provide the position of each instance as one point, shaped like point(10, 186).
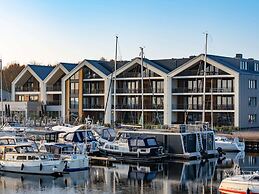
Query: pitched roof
point(41, 70)
point(69, 66)
point(171, 64)
point(234, 63)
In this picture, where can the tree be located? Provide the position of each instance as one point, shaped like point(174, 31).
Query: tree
point(10, 72)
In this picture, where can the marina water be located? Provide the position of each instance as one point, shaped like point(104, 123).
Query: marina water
point(170, 177)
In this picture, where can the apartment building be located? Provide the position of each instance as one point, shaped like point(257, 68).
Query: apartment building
point(173, 90)
point(42, 84)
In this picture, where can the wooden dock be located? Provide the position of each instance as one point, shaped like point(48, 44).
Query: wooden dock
point(102, 160)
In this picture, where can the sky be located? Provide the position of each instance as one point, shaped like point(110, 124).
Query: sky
point(53, 31)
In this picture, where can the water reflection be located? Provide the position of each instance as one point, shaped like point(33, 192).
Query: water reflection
point(172, 177)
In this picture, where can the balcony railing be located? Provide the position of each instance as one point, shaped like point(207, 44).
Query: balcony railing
point(94, 106)
point(94, 91)
point(26, 89)
point(201, 73)
point(138, 90)
point(138, 106)
point(53, 88)
point(200, 107)
point(53, 103)
point(200, 90)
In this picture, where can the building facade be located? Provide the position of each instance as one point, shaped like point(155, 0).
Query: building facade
point(172, 91)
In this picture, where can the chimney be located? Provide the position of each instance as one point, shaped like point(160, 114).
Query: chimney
point(239, 56)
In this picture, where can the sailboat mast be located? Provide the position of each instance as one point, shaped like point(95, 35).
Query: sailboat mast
point(142, 89)
point(204, 78)
point(114, 87)
point(1, 86)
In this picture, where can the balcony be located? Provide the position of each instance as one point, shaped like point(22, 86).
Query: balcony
point(138, 106)
point(200, 107)
point(93, 106)
point(200, 90)
point(94, 91)
point(138, 90)
point(53, 88)
point(53, 103)
point(26, 89)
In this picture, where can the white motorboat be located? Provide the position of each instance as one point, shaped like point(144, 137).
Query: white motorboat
point(227, 144)
point(240, 184)
point(23, 159)
point(13, 126)
point(78, 134)
point(128, 147)
point(76, 160)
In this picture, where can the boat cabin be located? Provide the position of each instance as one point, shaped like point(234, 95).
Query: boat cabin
point(13, 140)
point(80, 136)
point(46, 135)
point(58, 149)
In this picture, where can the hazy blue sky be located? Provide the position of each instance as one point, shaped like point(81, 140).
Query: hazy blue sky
point(51, 31)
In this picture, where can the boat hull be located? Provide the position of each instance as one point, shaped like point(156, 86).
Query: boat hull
point(240, 184)
point(132, 156)
point(54, 167)
point(77, 163)
point(231, 147)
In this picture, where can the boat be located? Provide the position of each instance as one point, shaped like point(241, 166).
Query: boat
point(13, 127)
point(76, 160)
point(227, 144)
point(240, 184)
point(185, 141)
point(23, 159)
point(78, 134)
point(128, 147)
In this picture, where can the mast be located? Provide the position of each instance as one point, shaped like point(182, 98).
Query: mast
point(1, 86)
point(204, 78)
point(142, 89)
point(114, 87)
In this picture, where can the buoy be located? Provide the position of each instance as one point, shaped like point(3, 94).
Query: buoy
point(41, 167)
point(22, 166)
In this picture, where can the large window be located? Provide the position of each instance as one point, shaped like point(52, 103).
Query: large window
point(252, 118)
point(74, 103)
point(243, 65)
point(252, 84)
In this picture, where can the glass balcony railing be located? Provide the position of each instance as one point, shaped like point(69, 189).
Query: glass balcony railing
point(200, 107)
point(93, 106)
point(54, 103)
point(53, 88)
point(138, 106)
point(200, 90)
point(94, 91)
point(138, 90)
point(26, 89)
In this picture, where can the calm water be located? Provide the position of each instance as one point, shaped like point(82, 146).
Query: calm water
point(174, 177)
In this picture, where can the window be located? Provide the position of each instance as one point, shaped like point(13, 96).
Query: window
point(21, 158)
point(74, 103)
point(252, 118)
point(243, 65)
point(256, 66)
point(252, 101)
point(252, 84)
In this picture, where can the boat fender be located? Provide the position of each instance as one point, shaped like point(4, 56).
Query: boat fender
point(22, 166)
point(41, 167)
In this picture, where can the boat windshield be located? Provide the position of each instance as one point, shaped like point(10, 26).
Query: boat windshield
point(151, 142)
point(108, 134)
point(255, 178)
point(24, 149)
point(7, 141)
